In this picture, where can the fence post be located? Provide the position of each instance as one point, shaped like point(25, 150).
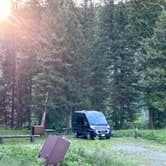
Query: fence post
point(1, 140)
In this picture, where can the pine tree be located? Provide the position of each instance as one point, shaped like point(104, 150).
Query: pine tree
point(153, 75)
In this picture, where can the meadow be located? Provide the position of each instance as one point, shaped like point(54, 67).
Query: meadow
point(121, 150)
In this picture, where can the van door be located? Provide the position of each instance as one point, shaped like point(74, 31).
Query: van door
point(85, 125)
point(80, 124)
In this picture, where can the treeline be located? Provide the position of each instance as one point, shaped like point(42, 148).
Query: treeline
point(58, 57)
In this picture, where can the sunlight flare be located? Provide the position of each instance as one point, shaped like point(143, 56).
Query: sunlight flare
point(4, 9)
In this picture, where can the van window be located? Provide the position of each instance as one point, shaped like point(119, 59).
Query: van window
point(97, 119)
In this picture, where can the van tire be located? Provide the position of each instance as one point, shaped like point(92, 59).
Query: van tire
point(76, 135)
point(88, 136)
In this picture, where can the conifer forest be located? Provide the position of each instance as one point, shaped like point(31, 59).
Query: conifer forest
point(59, 56)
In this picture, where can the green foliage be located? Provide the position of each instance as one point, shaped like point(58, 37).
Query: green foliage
point(19, 155)
point(122, 76)
point(81, 157)
point(158, 136)
point(153, 75)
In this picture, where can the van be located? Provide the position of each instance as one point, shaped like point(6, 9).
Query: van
point(90, 124)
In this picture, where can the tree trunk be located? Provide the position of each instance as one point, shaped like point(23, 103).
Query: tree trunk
point(43, 119)
point(122, 112)
point(151, 118)
point(18, 104)
point(12, 56)
point(9, 44)
point(45, 109)
point(151, 112)
point(122, 122)
point(68, 120)
point(5, 112)
point(29, 102)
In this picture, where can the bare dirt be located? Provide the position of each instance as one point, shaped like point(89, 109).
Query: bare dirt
point(141, 152)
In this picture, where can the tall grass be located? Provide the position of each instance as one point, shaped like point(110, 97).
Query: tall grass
point(158, 136)
point(80, 157)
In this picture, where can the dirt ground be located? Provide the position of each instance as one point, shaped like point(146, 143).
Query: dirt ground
point(141, 152)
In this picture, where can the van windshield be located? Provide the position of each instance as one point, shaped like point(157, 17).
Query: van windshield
point(96, 119)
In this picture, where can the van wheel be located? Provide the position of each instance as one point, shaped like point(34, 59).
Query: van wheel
point(76, 135)
point(88, 136)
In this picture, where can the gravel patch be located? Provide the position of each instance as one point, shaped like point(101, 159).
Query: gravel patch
point(150, 156)
point(129, 148)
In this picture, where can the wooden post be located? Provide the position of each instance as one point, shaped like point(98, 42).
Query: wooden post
point(135, 130)
point(1, 140)
point(32, 138)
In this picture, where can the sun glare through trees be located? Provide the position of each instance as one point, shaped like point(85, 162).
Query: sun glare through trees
point(4, 9)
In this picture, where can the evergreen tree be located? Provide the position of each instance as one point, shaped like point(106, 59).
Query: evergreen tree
point(102, 30)
point(153, 76)
point(142, 17)
point(62, 67)
point(122, 76)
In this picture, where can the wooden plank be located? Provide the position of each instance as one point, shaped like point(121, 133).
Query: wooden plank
point(1, 140)
point(18, 136)
point(32, 137)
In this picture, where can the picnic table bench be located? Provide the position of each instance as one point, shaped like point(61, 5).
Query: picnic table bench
point(32, 137)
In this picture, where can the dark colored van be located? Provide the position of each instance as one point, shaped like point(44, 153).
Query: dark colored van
point(90, 124)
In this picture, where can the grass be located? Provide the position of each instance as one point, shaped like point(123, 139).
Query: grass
point(19, 155)
point(14, 132)
point(98, 157)
point(20, 152)
point(81, 153)
point(158, 136)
